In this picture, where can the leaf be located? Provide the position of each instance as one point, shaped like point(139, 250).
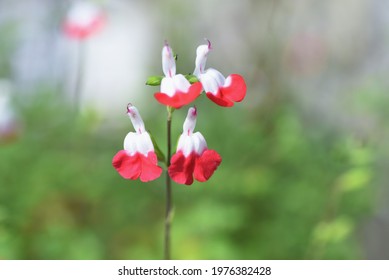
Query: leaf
point(154, 80)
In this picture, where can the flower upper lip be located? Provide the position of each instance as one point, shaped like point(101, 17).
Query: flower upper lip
point(209, 44)
point(129, 105)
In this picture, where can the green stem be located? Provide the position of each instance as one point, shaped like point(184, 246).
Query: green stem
point(169, 198)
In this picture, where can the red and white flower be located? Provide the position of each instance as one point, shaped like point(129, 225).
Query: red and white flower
point(223, 91)
point(176, 91)
point(9, 126)
point(138, 159)
point(193, 158)
point(83, 19)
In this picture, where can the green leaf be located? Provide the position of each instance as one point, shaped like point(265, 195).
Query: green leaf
point(191, 78)
point(154, 80)
point(160, 155)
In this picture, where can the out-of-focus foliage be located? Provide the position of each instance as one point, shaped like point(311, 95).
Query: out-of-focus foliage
point(285, 189)
point(6, 48)
point(304, 155)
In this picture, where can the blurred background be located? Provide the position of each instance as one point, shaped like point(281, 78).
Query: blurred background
point(305, 155)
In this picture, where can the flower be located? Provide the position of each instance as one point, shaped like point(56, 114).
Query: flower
point(9, 126)
point(83, 19)
point(193, 158)
point(176, 91)
point(222, 91)
point(138, 159)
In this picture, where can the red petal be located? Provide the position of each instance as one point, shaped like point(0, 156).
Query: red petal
point(137, 165)
point(129, 167)
point(181, 168)
point(220, 100)
point(150, 169)
point(180, 99)
point(236, 91)
point(76, 31)
point(206, 164)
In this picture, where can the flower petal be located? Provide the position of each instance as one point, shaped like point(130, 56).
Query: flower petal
point(130, 143)
point(212, 80)
point(138, 143)
point(219, 99)
point(233, 90)
point(135, 118)
point(172, 85)
point(201, 58)
point(181, 168)
point(199, 143)
point(179, 98)
point(129, 167)
point(137, 165)
point(81, 32)
point(150, 169)
point(206, 164)
point(168, 61)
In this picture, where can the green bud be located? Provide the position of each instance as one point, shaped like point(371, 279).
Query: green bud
point(191, 78)
point(154, 80)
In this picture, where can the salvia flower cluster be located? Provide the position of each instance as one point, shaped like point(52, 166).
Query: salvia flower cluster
point(192, 159)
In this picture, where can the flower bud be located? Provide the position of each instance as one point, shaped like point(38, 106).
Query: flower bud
point(154, 80)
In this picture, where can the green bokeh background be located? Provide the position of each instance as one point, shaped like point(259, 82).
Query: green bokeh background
point(284, 190)
point(291, 185)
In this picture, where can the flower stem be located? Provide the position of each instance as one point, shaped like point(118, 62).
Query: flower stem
point(80, 75)
point(169, 198)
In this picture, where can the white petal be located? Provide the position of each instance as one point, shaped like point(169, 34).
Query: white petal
point(168, 62)
point(130, 143)
point(167, 86)
point(227, 82)
point(201, 59)
point(144, 144)
point(141, 143)
point(83, 13)
point(178, 82)
point(191, 142)
point(212, 80)
point(181, 83)
point(185, 144)
point(199, 143)
point(190, 121)
point(136, 119)
point(188, 144)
